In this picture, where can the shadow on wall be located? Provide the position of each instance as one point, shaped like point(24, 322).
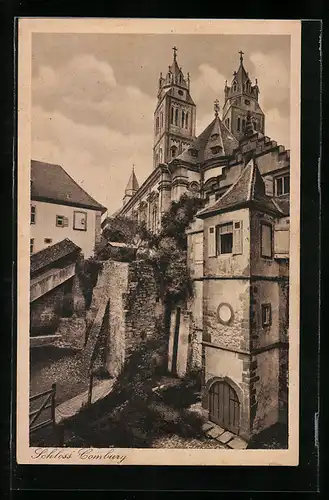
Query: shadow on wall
point(134, 415)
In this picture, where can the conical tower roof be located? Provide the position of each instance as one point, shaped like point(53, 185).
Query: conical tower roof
point(132, 183)
point(241, 76)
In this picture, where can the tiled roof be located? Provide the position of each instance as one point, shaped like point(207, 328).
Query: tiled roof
point(52, 254)
point(215, 141)
point(248, 188)
point(283, 204)
point(51, 182)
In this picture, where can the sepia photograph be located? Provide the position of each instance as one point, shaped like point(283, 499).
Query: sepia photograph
point(158, 172)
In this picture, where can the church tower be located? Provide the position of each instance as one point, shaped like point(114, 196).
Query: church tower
point(241, 98)
point(132, 187)
point(174, 116)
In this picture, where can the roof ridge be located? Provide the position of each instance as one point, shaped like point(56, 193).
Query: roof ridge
point(78, 185)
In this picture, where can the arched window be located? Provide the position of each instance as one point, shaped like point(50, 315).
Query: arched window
point(161, 119)
point(243, 125)
point(228, 123)
point(154, 218)
point(183, 119)
point(173, 150)
point(157, 125)
point(238, 125)
point(176, 116)
point(160, 155)
point(172, 116)
point(186, 120)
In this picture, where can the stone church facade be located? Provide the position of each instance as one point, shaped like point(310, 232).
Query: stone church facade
point(235, 329)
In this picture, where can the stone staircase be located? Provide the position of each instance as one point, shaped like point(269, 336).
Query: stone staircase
point(230, 440)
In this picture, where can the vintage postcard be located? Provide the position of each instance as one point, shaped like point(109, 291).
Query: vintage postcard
point(158, 241)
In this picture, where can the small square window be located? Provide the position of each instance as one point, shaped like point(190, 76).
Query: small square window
point(247, 102)
point(33, 214)
point(60, 220)
point(48, 241)
point(266, 315)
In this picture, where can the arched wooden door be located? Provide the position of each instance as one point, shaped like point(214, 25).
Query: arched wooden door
point(224, 406)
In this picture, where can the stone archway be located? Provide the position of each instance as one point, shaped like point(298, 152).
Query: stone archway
point(222, 399)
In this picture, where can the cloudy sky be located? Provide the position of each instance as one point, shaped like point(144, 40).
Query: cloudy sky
point(93, 97)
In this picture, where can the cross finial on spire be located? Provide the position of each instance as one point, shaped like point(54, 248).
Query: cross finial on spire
point(216, 107)
point(241, 56)
point(175, 51)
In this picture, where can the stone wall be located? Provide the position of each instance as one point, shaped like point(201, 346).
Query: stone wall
point(264, 292)
point(125, 312)
point(143, 306)
point(235, 294)
point(265, 390)
point(45, 311)
point(72, 332)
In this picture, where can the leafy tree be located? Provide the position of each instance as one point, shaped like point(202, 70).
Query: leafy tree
point(169, 257)
point(121, 229)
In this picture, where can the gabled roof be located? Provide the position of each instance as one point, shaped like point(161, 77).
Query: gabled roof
point(52, 254)
point(249, 189)
point(215, 141)
point(132, 183)
point(52, 183)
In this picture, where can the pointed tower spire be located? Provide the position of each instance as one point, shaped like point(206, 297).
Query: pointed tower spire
point(174, 117)
point(132, 186)
point(216, 107)
point(241, 98)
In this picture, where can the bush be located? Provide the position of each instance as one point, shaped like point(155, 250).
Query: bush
point(68, 305)
point(87, 271)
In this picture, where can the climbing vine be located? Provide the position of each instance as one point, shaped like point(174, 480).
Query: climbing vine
point(87, 272)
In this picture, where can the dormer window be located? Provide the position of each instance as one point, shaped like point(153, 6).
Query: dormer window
point(213, 137)
point(194, 153)
point(282, 185)
point(215, 150)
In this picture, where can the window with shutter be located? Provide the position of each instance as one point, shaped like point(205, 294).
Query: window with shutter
point(211, 242)
point(266, 240)
point(59, 220)
point(281, 240)
point(198, 251)
point(268, 181)
point(224, 238)
point(237, 238)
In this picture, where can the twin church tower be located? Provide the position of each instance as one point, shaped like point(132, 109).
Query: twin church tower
point(175, 113)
